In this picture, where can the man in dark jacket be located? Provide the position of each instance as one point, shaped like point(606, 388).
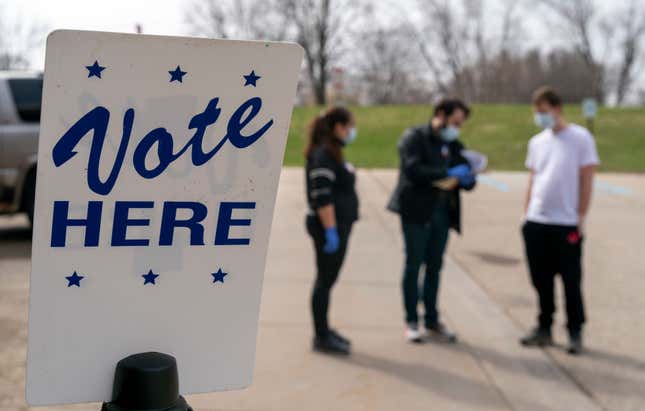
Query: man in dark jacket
point(432, 172)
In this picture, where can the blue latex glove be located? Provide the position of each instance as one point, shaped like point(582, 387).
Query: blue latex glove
point(332, 241)
point(459, 171)
point(467, 181)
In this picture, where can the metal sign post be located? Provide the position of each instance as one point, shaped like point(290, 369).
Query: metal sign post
point(589, 112)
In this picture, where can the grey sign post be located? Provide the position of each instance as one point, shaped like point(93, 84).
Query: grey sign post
point(589, 112)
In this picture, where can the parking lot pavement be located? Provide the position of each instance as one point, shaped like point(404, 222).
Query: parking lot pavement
point(490, 251)
point(485, 296)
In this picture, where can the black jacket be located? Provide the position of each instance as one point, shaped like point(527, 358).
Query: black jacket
point(331, 182)
point(425, 159)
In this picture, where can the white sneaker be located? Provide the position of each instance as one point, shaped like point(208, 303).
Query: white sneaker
point(414, 334)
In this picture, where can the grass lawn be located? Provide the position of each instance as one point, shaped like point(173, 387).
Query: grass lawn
point(500, 131)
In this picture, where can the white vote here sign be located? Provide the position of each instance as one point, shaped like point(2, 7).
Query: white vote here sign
point(158, 164)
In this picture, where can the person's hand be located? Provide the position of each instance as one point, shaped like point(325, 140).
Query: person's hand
point(467, 181)
point(332, 241)
point(459, 171)
point(582, 220)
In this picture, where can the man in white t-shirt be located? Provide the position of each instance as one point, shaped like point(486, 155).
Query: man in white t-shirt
point(561, 160)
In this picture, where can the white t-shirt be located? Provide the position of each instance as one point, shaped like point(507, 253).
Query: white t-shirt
point(556, 159)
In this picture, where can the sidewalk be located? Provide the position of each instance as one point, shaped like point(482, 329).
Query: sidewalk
point(486, 371)
point(488, 303)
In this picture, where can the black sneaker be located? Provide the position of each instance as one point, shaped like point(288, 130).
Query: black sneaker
point(334, 334)
point(439, 330)
point(575, 343)
point(330, 345)
point(539, 337)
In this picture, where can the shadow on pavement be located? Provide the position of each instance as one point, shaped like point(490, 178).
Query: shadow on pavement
point(447, 384)
point(535, 367)
point(581, 369)
point(496, 259)
point(616, 359)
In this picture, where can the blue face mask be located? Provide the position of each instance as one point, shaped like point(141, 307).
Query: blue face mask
point(544, 120)
point(449, 133)
point(351, 137)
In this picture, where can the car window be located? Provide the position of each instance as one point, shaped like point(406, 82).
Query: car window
point(27, 93)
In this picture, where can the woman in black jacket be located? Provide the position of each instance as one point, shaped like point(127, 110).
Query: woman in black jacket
point(333, 208)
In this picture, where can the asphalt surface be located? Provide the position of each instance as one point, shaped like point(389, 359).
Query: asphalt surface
point(485, 296)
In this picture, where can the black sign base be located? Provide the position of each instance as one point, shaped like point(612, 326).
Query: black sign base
point(147, 381)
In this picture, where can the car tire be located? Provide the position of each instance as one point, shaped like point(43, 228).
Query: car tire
point(29, 194)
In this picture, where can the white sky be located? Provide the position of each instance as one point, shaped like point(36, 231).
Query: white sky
point(156, 16)
point(167, 17)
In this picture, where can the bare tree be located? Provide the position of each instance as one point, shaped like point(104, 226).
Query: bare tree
point(17, 40)
point(442, 45)
point(510, 26)
point(640, 96)
point(631, 26)
point(388, 65)
point(578, 16)
point(238, 19)
point(321, 28)
point(463, 48)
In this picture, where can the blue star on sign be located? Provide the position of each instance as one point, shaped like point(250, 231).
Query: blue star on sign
point(94, 70)
point(219, 276)
point(251, 78)
point(74, 279)
point(149, 278)
point(177, 75)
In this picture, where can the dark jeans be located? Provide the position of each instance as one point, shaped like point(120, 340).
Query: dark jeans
point(553, 249)
point(424, 243)
point(327, 269)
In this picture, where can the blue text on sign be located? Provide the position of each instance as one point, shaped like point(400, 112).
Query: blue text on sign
point(169, 222)
point(97, 120)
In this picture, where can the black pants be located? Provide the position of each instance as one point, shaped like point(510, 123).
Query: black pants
point(553, 249)
point(424, 244)
point(327, 268)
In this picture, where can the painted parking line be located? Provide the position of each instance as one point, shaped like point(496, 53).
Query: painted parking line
point(491, 182)
point(600, 185)
point(613, 189)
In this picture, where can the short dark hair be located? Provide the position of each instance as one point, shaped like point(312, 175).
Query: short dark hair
point(546, 94)
point(449, 105)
